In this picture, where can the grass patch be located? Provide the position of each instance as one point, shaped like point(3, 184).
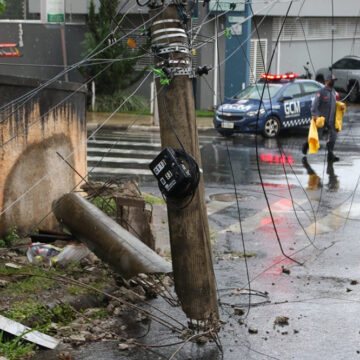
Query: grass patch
point(10, 238)
point(76, 290)
point(63, 314)
point(204, 113)
point(101, 314)
point(29, 285)
point(31, 313)
point(15, 349)
point(151, 199)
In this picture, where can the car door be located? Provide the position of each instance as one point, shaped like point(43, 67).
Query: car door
point(310, 89)
point(341, 69)
point(292, 109)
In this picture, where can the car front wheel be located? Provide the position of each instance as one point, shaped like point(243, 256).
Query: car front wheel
point(271, 127)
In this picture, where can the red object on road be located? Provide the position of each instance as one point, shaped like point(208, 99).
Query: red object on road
point(9, 50)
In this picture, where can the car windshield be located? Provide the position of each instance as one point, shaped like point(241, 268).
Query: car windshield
point(254, 92)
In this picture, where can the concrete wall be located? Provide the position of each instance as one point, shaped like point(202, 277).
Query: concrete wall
point(30, 136)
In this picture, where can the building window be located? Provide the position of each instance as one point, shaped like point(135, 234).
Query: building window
point(258, 50)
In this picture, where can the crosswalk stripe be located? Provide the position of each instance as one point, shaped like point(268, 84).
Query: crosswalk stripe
point(107, 142)
point(215, 206)
point(262, 218)
point(119, 160)
point(120, 151)
point(119, 171)
point(334, 220)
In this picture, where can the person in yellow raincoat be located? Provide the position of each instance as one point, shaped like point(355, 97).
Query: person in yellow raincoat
point(325, 105)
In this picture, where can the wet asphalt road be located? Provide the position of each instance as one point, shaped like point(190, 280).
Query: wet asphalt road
point(316, 211)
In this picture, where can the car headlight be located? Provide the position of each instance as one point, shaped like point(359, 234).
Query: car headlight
point(255, 113)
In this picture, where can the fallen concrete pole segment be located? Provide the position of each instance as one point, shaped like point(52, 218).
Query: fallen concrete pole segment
point(107, 239)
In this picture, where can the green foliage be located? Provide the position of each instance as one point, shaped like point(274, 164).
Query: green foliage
point(10, 238)
point(101, 314)
point(109, 103)
point(151, 199)
point(28, 285)
point(31, 313)
point(63, 314)
point(106, 204)
point(204, 113)
point(76, 290)
point(121, 74)
point(2, 6)
point(15, 349)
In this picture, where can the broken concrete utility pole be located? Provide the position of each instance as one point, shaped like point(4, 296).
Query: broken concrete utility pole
point(107, 239)
point(188, 223)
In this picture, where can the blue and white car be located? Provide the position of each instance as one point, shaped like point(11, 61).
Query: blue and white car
point(286, 103)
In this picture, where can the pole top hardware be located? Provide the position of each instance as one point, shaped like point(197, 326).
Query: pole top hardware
point(174, 62)
point(178, 34)
point(166, 21)
point(201, 70)
point(182, 48)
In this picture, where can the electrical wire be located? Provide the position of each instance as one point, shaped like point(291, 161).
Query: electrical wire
point(281, 151)
point(257, 150)
point(92, 54)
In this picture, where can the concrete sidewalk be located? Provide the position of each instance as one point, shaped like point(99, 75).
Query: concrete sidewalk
point(135, 121)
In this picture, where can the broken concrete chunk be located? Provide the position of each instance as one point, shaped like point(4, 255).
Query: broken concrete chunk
point(239, 311)
point(253, 330)
point(77, 339)
point(281, 321)
point(123, 346)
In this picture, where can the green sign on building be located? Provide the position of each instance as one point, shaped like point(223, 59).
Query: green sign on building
point(54, 11)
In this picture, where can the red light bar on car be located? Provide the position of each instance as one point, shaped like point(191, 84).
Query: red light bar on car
point(279, 77)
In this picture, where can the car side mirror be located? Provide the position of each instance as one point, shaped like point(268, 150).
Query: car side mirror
point(285, 98)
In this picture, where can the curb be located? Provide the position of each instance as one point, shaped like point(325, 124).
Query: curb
point(151, 128)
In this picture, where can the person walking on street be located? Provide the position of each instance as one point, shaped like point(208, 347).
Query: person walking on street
point(325, 105)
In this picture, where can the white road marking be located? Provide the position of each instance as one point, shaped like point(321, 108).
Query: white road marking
point(215, 206)
point(262, 218)
point(119, 160)
point(119, 171)
point(121, 151)
point(121, 142)
point(334, 220)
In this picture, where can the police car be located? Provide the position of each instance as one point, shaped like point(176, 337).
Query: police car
point(286, 103)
